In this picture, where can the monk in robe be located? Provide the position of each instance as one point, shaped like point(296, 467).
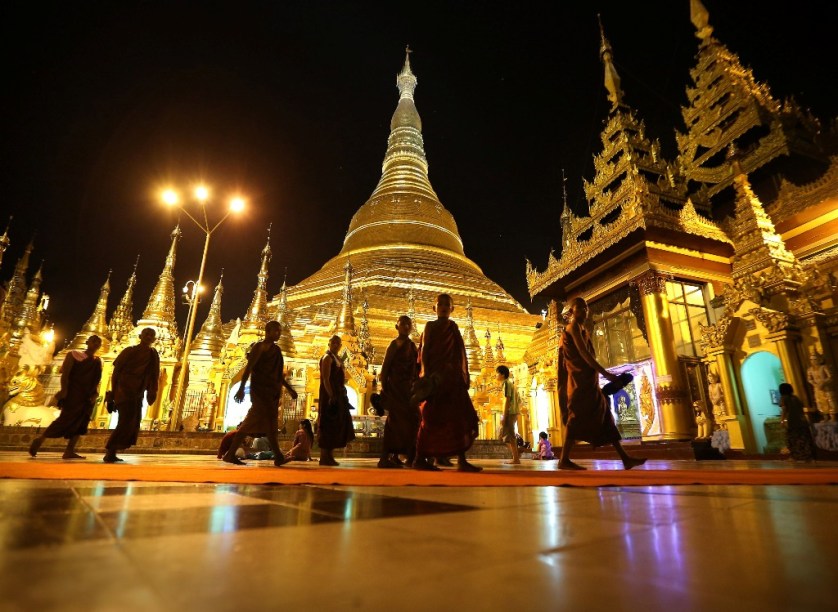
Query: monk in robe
point(583, 406)
point(449, 423)
point(80, 376)
point(334, 416)
point(398, 374)
point(136, 371)
point(266, 370)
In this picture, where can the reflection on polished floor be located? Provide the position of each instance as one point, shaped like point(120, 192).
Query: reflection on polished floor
point(117, 545)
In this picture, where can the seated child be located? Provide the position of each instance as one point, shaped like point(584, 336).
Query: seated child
point(545, 449)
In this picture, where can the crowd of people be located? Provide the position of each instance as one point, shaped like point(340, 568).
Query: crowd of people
point(424, 393)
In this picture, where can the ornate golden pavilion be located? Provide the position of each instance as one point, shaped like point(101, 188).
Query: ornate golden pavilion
point(712, 278)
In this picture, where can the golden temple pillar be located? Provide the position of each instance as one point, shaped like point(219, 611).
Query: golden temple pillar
point(677, 420)
point(555, 431)
point(221, 409)
point(790, 360)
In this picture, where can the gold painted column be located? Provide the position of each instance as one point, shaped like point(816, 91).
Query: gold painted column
point(788, 353)
point(677, 419)
point(555, 430)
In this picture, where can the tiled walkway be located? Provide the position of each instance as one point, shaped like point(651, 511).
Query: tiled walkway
point(109, 545)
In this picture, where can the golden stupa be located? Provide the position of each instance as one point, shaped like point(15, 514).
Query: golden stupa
point(401, 250)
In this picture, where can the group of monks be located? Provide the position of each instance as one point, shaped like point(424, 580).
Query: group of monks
point(424, 391)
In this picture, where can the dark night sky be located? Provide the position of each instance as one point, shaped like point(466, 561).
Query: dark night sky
point(290, 103)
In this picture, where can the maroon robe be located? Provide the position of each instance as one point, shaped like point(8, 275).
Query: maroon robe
point(398, 373)
point(449, 423)
point(583, 406)
point(136, 370)
point(266, 376)
point(301, 450)
point(84, 373)
point(334, 419)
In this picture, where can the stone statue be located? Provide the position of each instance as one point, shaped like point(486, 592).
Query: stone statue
point(704, 420)
point(821, 378)
point(717, 395)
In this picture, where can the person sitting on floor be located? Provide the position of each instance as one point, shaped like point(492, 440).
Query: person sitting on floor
point(545, 449)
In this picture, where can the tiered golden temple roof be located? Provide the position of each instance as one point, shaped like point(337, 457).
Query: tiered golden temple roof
point(635, 196)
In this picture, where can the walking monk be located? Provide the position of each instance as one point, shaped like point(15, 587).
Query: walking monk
point(449, 423)
point(266, 370)
point(582, 403)
point(334, 417)
point(80, 376)
point(136, 370)
point(398, 373)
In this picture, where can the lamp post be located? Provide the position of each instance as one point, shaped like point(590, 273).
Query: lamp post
point(171, 198)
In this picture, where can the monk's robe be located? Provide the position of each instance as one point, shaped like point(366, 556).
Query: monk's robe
point(136, 370)
point(583, 406)
point(398, 373)
point(83, 374)
point(266, 376)
point(334, 419)
point(449, 422)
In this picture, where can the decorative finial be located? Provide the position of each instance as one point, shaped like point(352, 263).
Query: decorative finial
point(701, 20)
point(612, 79)
point(406, 81)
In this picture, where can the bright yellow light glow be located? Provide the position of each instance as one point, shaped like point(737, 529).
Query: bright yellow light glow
point(170, 197)
point(49, 335)
point(201, 193)
point(237, 204)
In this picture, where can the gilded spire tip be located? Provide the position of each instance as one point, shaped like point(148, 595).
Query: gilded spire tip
point(700, 19)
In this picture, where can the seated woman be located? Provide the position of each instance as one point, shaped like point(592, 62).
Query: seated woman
point(303, 440)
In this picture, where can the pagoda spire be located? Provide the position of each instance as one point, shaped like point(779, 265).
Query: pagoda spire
point(161, 304)
point(728, 106)
point(16, 291)
point(473, 353)
point(404, 209)
point(122, 321)
point(345, 323)
point(629, 163)
point(500, 358)
point(4, 240)
point(757, 245)
point(286, 340)
point(612, 79)
point(566, 219)
point(97, 323)
point(364, 338)
point(256, 316)
point(210, 340)
point(488, 355)
point(29, 316)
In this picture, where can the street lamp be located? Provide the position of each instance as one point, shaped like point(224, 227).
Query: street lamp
point(170, 197)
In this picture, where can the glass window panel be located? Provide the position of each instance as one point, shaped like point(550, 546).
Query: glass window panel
point(694, 295)
point(674, 292)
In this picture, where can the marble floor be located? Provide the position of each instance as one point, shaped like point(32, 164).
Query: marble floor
point(124, 546)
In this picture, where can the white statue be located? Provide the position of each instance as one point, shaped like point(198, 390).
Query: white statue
point(717, 395)
point(33, 353)
point(820, 377)
point(26, 404)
